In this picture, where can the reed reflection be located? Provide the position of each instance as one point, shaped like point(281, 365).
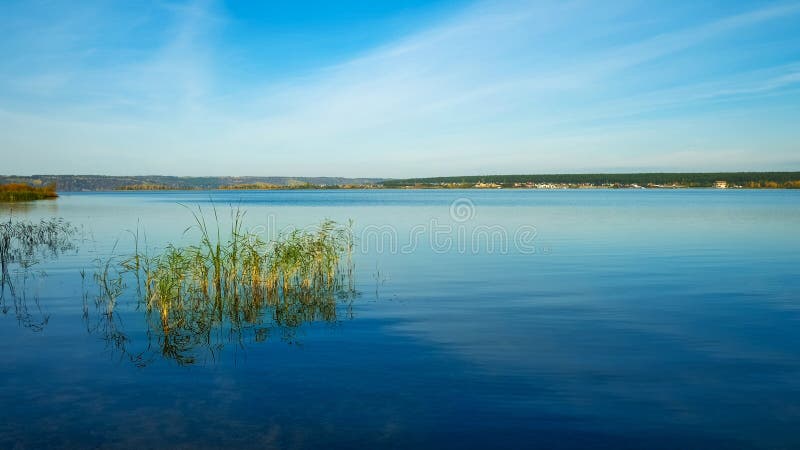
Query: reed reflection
point(23, 245)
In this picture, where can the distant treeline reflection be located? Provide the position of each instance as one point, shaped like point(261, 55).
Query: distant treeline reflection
point(230, 289)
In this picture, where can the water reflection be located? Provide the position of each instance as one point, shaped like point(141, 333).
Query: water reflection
point(202, 326)
point(23, 245)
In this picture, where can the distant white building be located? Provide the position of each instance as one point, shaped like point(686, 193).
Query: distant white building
point(721, 184)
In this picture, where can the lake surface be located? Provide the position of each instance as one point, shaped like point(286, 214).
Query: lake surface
point(483, 319)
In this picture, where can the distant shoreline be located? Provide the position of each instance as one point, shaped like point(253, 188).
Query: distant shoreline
point(411, 188)
point(654, 180)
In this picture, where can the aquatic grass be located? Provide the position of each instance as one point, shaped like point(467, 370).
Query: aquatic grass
point(231, 282)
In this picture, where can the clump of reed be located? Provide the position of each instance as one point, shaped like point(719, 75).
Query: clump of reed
point(225, 266)
point(20, 192)
point(236, 281)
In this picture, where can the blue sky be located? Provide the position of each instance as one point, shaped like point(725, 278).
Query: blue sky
point(398, 89)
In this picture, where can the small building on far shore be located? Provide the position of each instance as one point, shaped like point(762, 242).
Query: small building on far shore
point(721, 185)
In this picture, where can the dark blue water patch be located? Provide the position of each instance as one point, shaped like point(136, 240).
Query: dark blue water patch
point(340, 391)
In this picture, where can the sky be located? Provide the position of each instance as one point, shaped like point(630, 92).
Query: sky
point(398, 88)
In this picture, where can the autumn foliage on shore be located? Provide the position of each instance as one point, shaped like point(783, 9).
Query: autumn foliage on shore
point(23, 192)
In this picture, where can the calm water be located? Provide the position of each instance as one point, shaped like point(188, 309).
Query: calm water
point(484, 319)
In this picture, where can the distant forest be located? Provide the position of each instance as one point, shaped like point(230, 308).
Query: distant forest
point(78, 183)
point(642, 179)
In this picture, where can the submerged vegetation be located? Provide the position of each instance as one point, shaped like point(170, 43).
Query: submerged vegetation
point(20, 192)
point(24, 244)
point(226, 287)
